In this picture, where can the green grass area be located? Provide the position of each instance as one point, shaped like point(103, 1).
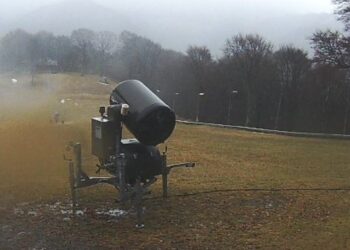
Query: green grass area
point(202, 212)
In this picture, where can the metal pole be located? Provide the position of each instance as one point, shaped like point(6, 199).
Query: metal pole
point(119, 162)
point(198, 105)
point(72, 183)
point(138, 204)
point(197, 115)
point(347, 102)
point(78, 162)
point(174, 99)
point(229, 109)
point(174, 102)
point(164, 176)
point(233, 92)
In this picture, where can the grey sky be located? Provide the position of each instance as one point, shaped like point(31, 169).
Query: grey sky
point(14, 8)
point(176, 24)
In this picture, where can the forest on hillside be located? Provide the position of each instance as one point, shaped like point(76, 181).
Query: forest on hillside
point(253, 83)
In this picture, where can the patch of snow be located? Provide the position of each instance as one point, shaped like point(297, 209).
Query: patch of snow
point(112, 212)
point(32, 213)
point(79, 212)
point(270, 205)
point(18, 211)
point(65, 212)
point(140, 226)
point(21, 234)
point(55, 206)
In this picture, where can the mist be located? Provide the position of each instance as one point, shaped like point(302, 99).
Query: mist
point(176, 24)
point(257, 97)
point(14, 8)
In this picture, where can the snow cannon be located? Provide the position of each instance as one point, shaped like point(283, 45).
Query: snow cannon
point(135, 163)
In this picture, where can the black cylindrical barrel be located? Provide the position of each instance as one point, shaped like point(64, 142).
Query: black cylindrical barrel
point(149, 119)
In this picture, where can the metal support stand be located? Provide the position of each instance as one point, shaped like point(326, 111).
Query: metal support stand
point(127, 192)
point(79, 179)
point(166, 171)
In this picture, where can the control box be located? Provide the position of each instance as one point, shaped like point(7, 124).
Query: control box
point(103, 136)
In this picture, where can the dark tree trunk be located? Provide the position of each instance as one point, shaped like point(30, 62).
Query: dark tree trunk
point(251, 110)
point(279, 107)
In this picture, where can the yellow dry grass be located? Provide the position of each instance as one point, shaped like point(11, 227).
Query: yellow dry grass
point(31, 145)
point(32, 169)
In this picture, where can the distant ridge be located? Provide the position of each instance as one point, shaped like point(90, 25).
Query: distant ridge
point(64, 17)
point(174, 29)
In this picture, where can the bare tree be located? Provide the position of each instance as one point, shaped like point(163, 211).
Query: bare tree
point(83, 39)
point(292, 64)
point(65, 54)
point(140, 55)
point(15, 50)
point(200, 60)
point(343, 11)
point(331, 47)
point(106, 42)
point(248, 55)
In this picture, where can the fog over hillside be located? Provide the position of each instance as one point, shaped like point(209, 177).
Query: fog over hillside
point(63, 18)
point(178, 25)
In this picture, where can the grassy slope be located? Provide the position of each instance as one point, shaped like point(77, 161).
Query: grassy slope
point(32, 169)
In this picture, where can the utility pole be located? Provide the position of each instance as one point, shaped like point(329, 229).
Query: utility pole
point(174, 99)
point(232, 93)
point(198, 105)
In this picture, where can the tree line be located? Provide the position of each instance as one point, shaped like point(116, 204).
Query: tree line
point(252, 84)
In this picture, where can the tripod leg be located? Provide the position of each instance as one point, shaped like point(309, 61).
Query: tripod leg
point(138, 204)
point(78, 163)
point(72, 183)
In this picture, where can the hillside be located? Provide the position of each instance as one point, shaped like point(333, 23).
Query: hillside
point(248, 190)
point(178, 28)
point(66, 16)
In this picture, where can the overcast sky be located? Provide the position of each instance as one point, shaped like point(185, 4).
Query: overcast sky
point(14, 8)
